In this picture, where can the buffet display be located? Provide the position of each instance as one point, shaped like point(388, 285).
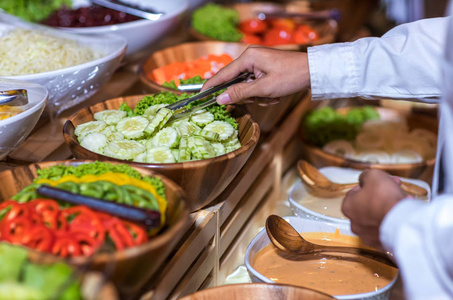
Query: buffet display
point(128, 153)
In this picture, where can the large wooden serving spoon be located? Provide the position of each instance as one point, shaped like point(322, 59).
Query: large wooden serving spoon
point(287, 239)
point(321, 186)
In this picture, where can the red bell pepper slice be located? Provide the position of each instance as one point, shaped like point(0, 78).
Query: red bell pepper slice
point(65, 245)
point(14, 230)
point(137, 232)
point(119, 234)
point(39, 237)
point(88, 245)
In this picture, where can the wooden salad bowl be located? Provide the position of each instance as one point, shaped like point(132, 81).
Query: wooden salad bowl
point(326, 29)
point(128, 269)
point(267, 117)
point(202, 180)
point(258, 291)
point(422, 170)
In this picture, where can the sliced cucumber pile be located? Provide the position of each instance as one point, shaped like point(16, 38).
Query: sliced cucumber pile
point(150, 138)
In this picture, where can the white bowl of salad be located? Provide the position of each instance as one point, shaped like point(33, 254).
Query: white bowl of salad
point(71, 67)
point(16, 122)
point(202, 153)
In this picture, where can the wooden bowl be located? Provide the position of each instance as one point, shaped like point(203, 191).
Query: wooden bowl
point(258, 291)
point(423, 170)
point(266, 117)
point(128, 269)
point(202, 180)
point(326, 29)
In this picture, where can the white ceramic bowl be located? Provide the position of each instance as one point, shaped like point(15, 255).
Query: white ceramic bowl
point(330, 210)
point(141, 35)
point(15, 129)
point(305, 225)
point(72, 85)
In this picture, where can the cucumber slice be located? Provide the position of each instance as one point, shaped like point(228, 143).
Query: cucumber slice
point(95, 142)
point(124, 149)
point(141, 158)
point(208, 135)
point(184, 152)
point(232, 144)
point(175, 153)
point(204, 147)
point(132, 127)
point(219, 148)
point(188, 128)
point(196, 153)
point(224, 129)
point(111, 133)
point(160, 155)
point(110, 117)
point(202, 117)
point(159, 121)
point(167, 137)
point(89, 127)
point(151, 111)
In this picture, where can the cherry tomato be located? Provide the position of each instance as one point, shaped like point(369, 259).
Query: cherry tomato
point(278, 37)
point(286, 24)
point(311, 34)
point(252, 26)
point(301, 37)
point(251, 39)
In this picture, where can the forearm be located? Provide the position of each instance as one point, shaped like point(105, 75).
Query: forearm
point(403, 64)
point(419, 235)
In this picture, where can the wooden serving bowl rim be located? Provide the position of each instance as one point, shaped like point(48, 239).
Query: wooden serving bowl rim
point(322, 40)
point(154, 85)
point(255, 286)
point(319, 152)
point(156, 241)
point(70, 140)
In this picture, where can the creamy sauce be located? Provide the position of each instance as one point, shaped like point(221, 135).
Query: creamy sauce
point(325, 272)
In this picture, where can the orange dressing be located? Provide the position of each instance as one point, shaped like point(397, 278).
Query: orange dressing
point(324, 272)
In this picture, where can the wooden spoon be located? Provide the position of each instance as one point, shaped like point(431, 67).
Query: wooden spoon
point(287, 239)
point(320, 185)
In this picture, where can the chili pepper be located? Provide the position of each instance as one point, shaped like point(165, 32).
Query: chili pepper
point(142, 198)
point(13, 230)
point(65, 245)
point(38, 237)
point(69, 186)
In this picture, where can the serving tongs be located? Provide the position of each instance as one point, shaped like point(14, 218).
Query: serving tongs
point(184, 102)
point(14, 97)
point(131, 9)
point(314, 15)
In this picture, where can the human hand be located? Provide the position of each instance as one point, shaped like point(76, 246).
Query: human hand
point(367, 204)
point(278, 73)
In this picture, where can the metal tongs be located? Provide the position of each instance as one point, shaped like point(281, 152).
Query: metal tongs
point(182, 103)
point(14, 97)
point(131, 9)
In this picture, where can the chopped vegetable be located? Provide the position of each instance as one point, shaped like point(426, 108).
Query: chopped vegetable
point(324, 125)
point(217, 22)
point(36, 281)
point(76, 231)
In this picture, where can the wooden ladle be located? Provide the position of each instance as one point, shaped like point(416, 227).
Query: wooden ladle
point(287, 239)
point(320, 185)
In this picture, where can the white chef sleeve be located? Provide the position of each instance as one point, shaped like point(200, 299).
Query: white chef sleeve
point(419, 236)
point(405, 63)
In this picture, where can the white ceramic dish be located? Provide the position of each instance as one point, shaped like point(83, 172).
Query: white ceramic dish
point(330, 210)
point(305, 225)
point(15, 129)
point(72, 85)
point(142, 35)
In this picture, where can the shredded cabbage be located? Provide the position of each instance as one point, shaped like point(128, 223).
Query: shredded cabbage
point(29, 52)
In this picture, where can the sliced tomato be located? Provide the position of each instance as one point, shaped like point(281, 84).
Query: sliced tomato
point(278, 37)
point(251, 39)
point(15, 229)
point(252, 26)
point(282, 23)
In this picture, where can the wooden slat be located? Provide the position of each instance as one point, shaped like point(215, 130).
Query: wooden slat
point(203, 232)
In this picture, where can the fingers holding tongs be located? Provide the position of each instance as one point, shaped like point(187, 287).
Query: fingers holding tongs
point(184, 102)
